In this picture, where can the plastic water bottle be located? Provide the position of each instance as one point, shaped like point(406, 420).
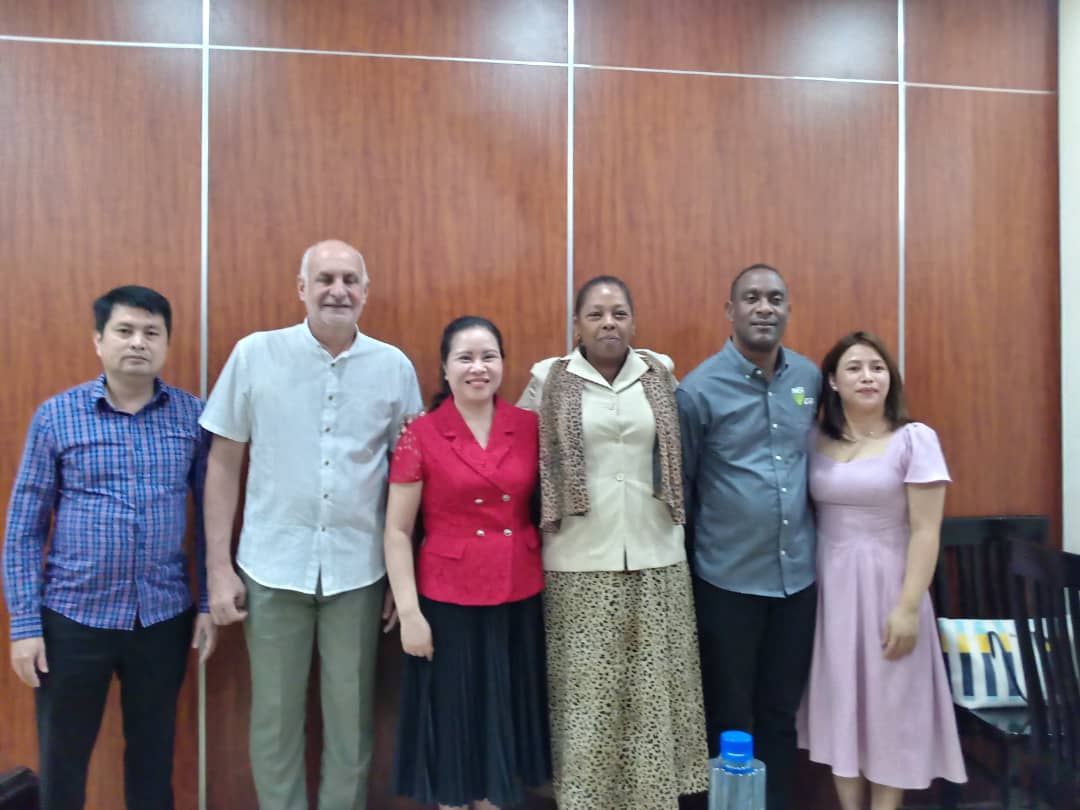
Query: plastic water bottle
point(736, 779)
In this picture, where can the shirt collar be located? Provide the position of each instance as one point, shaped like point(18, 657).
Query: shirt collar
point(450, 422)
point(632, 369)
point(746, 367)
point(99, 397)
point(313, 342)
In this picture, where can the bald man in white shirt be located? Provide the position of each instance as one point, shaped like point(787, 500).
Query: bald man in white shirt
point(319, 405)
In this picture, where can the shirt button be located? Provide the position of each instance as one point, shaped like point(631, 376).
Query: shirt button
point(775, 426)
point(783, 553)
point(331, 397)
point(783, 489)
point(507, 532)
point(479, 532)
point(785, 521)
point(326, 429)
point(620, 477)
point(333, 363)
point(322, 528)
point(779, 458)
point(478, 501)
point(325, 495)
point(506, 497)
point(326, 463)
point(770, 393)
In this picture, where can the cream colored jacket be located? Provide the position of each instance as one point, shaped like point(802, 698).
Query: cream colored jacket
point(626, 527)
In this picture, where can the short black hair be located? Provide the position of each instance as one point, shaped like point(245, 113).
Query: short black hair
point(596, 281)
point(751, 269)
point(136, 297)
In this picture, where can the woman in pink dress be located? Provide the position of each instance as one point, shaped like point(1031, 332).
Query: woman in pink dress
point(878, 708)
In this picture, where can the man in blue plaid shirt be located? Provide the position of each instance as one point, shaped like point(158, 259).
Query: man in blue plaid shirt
point(109, 465)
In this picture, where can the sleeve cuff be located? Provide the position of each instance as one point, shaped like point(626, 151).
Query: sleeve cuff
point(26, 625)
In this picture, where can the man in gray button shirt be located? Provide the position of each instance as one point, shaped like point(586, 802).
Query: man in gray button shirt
point(746, 413)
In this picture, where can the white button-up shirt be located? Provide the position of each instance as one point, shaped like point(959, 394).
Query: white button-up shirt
point(321, 429)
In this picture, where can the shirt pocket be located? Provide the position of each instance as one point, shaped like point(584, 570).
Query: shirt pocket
point(794, 426)
point(95, 466)
point(448, 546)
point(169, 462)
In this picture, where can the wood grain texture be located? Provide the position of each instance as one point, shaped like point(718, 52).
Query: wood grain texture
point(983, 43)
point(172, 21)
point(849, 39)
point(100, 157)
point(680, 181)
point(450, 177)
point(982, 284)
point(532, 30)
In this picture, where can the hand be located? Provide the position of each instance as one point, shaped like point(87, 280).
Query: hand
point(900, 633)
point(227, 596)
point(416, 637)
point(204, 639)
point(389, 611)
point(28, 659)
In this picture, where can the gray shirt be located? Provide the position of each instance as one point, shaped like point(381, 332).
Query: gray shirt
point(745, 445)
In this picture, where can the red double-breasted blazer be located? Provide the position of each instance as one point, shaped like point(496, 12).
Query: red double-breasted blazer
point(480, 545)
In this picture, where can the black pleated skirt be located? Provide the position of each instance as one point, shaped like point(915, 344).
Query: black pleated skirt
point(474, 720)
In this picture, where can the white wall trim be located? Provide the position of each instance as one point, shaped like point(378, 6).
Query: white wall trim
point(1069, 189)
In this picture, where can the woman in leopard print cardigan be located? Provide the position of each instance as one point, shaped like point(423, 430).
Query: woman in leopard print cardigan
point(624, 680)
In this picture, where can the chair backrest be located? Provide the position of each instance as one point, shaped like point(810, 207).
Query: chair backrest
point(1044, 592)
point(970, 581)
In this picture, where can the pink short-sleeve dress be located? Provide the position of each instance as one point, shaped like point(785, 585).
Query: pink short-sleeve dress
point(892, 722)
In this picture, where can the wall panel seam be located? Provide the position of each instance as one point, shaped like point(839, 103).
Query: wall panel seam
point(528, 62)
point(570, 70)
point(204, 333)
point(112, 43)
point(981, 89)
point(901, 191)
point(403, 56)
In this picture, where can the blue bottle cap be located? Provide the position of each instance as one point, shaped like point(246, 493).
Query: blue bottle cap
point(736, 746)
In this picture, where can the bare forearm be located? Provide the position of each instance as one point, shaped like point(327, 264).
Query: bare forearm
point(397, 546)
point(921, 561)
point(219, 511)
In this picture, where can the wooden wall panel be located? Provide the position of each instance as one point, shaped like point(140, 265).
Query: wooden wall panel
point(116, 20)
point(982, 294)
point(985, 43)
point(833, 38)
point(801, 175)
point(494, 29)
point(450, 177)
point(100, 159)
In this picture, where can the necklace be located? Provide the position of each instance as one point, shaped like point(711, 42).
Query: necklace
point(876, 433)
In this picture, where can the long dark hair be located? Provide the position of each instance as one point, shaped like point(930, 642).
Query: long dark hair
point(831, 410)
point(452, 328)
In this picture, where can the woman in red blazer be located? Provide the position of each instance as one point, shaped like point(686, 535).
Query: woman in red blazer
point(473, 727)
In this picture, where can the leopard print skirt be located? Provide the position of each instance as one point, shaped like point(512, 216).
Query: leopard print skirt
point(624, 689)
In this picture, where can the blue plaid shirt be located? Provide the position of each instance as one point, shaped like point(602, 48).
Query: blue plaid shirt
point(116, 487)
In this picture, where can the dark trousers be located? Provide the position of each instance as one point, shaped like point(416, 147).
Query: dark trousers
point(755, 659)
point(150, 663)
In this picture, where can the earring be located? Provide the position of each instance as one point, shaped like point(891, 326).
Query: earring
point(834, 388)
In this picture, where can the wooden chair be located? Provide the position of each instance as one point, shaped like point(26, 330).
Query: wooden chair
point(1045, 595)
point(971, 582)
